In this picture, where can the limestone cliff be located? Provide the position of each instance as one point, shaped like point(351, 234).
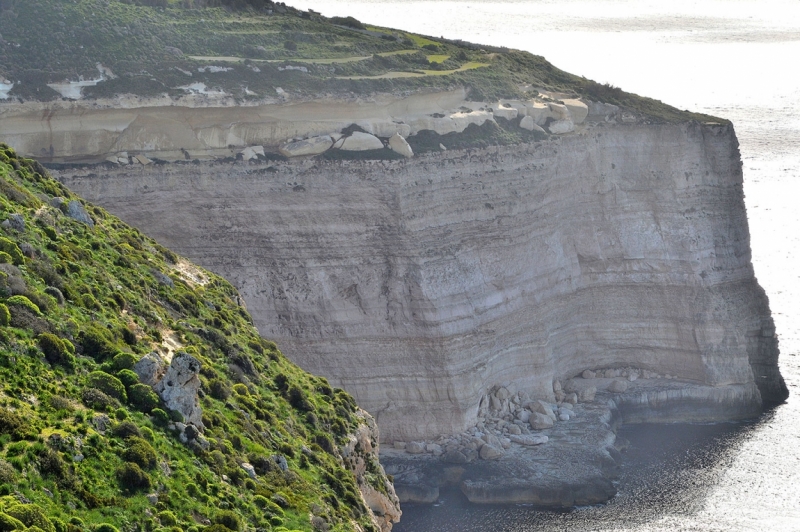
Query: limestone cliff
point(421, 285)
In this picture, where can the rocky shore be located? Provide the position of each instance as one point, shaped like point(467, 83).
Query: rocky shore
point(556, 455)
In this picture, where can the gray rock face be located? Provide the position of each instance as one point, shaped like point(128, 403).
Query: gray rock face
point(398, 283)
point(76, 211)
point(179, 386)
point(150, 368)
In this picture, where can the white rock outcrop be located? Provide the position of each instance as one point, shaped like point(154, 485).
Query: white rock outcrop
point(400, 145)
point(178, 388)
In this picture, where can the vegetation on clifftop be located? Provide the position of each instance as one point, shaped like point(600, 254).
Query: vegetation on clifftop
point(85, 446)
point(257, 49)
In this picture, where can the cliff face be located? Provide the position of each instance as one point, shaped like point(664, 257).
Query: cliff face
point(421, 285)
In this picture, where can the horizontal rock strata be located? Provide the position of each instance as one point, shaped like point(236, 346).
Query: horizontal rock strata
point(421, 285)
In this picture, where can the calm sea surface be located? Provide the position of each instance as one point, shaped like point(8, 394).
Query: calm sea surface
point(738, 59)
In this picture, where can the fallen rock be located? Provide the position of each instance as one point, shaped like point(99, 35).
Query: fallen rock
point(433, 448)
point(542, 408)
point(400, 445)
point(610, 373)
point(150, 368)
point(250, 470)
point(502, 394)
point(144, 161)
point(490, 452)
point(618, 386)
point(515, 429)
point(415, 447)
point(359, 141)
point(509, 113)
point(540, 421)
point(15, 221)
point(524, 415)
point(588, 374)
point(399, 145)
point(310, 146)
point(571, 398)
point(454, 457)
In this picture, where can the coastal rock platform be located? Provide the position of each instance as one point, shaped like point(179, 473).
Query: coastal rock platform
point(578, 462)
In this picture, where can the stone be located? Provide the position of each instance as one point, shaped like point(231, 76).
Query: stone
point(523, 415)
point(514, 429)
point(559, 127)
point(610, 373)
point(587, 394)
point(442, 147)
point(399, 145)
point(529, 439)
point(556, 386)
point(618, 386)
point(496, 404)
point(359, 141)
point(571, 398)
point(588, 374)
point(509, 113)
point(433, 448)
point(14, 221)
point(415, 447)
point(144, 161)
point(563, 416)
point(601, 111)
point(101, 423)
point(542, 408)
point(400, 445)
point(76, 211)
point(502, 394)
point(179, 386)
point(248, 154)
point(150, 368)
point(310, 146)
point(530, 124)
point(540, 421)
point(491, 452)
point(152, 498)
point(577, 109)
point(250, 470)
point(280, 461)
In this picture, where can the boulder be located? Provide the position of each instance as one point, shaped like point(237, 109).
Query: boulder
point(310, 146)
point(76, 211)
point(491, 439)
point(577, 110)
point(540, 421)
point(514, 429)
point(529, 439)
point(502, 394)
point(359, 141)
point(399, 145)
point(250, 470)
point(529, 123)
point(559, 112)
point(587, 395)
point(557, 386)
point(144, 161)
point(434, 448)
point(618, 386)
point(610, 373)
point(491, 452)
point(559, 127)
point(249, 153)
point(523, 415)
point(400, 445)
point(538, 111)
point(15, 221)
point(496, 404)
point(179, 386)
point(150, 368)
point(415, 447)
point(542, 408)
point(509, 113)
point(602, 111)
point(442, 147)
point(571, 398)
point(588, 374)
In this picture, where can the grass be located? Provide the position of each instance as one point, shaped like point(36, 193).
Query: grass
point(120, 296)
point(150, 50)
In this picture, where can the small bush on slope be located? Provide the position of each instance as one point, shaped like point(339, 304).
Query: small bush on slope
point(83, 434)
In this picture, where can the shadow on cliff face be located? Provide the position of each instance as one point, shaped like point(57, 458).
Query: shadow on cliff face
point(667, 470)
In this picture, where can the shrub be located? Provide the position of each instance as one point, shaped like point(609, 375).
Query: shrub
point(55, 350)
point(127, 377)
point(96, 399)
point(141, 453)
point(97, 343)
point(24, 302)
point(132, 478)
point(241, 389)
point(167, 518)
point(142, 397)
point(126, 429)
point(12, 249)
point(31, 515)
point(5, 258)
point(108, 384)
point(228, 519)
point(7, 473)
point(8, 523)
point(13, 424)
point(219, 389)
point(105, 527)
point(5, 315)
point(123, 361)
point(160, 417)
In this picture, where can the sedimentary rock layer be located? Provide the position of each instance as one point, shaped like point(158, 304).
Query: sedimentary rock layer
point(419, 285)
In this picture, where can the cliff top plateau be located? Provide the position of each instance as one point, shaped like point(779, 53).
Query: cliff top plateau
point(135, 393)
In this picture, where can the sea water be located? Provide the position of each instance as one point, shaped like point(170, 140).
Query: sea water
point(738, 59)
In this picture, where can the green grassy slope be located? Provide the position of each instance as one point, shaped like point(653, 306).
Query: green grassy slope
point(158, 48)
point(79, 304)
